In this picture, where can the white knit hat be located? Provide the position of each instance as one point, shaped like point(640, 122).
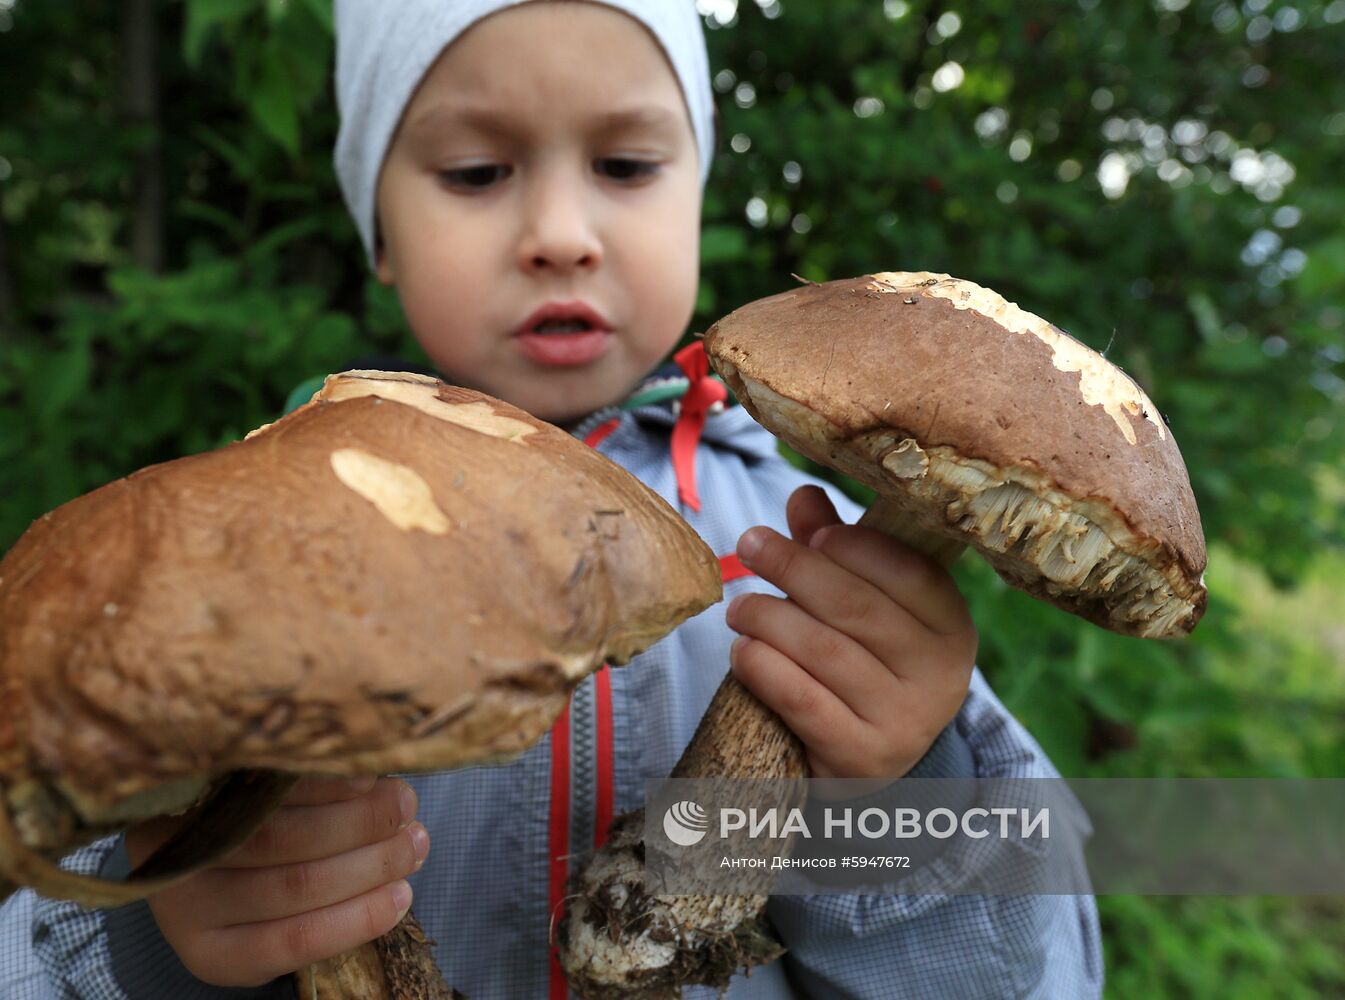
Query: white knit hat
point(385, 47)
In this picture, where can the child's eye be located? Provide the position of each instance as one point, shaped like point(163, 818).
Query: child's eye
point(619, 168)
point(476, 178)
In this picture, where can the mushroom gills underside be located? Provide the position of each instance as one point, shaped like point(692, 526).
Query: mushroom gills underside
point(1076, 554)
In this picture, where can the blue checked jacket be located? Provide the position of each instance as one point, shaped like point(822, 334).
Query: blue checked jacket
point(483, 892)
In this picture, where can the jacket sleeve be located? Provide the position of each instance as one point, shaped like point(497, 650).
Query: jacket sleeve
point(897, 946)
point(116, 954)
point(21, 977)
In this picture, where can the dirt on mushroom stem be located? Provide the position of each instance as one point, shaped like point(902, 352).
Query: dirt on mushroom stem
point(399, 965)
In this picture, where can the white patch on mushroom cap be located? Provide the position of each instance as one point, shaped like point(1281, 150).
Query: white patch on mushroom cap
point(1100, 382)
point(399, 492)
point(481, 417)
point(422, 393)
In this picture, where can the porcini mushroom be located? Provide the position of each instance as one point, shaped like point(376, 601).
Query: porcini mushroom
point(978, 424)
point(399, 576)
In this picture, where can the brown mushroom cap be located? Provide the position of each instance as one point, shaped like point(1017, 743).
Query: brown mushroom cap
point(400, 575)
point(984, 423)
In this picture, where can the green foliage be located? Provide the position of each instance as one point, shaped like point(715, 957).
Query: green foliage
point(1215, 275)
point(108, 365)
point(1201, 948)
point(1187, 282)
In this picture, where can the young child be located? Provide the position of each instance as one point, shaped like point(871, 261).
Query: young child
point(528, 176)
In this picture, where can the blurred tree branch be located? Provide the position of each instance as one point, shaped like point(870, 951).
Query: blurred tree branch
point(140, 47)
point(8, 307)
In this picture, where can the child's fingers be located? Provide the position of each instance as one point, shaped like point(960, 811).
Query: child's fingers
point(942, 658)
point(304, 833)
point(808, 510)
point(844, 667)
point(250, 895)
point(280, 947)
point(861, 582)
point(316, 791)
point(924, 589)
point(810, 711)
point(822, 587)
point(887, 564)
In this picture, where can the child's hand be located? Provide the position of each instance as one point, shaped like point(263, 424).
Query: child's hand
point(324, 874)
point(869, 657)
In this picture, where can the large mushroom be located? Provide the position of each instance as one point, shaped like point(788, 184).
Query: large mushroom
point(399, 576)
point(978, 424)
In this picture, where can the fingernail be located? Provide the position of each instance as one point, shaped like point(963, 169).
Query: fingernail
point(732, 609)
point(738, 644)
point(749, 545)
point(819, 536)
point(362, 784)
point(401, 897)
point(420, 843)
point(406, 800)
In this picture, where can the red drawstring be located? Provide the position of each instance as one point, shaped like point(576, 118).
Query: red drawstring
point(558, 842)
point(732, 568)
point(605, 790)
point(702, 393)
point(599, 434)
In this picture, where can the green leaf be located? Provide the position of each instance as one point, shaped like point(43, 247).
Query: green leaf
point(278, 237)
point(212, 215)
point(1206, 316)
point(722, 244)
point(322, 10)
point(1235, 357)
point(59, 378)
point(272, 102)
point(1325, 269)
point(203, 18)
point(244, 166)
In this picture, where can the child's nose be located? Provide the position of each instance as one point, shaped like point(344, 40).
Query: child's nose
point(558, 234)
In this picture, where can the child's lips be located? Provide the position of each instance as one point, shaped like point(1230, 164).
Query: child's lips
point(562, 350)
point(563, 334)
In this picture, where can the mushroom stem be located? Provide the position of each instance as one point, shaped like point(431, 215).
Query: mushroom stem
point(618, 939)
point(740, 737)
point(892, 519)
point(398, 966)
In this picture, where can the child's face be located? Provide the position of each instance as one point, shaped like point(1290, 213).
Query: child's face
point(546, 159)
